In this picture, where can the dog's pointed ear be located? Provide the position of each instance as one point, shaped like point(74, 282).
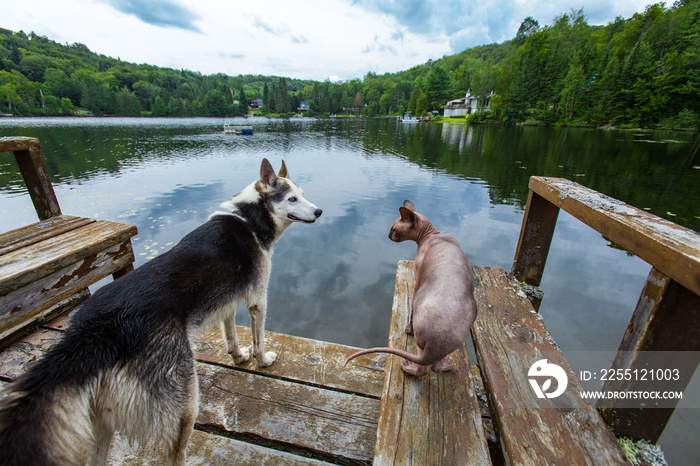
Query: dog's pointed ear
point(407, 214)
point(409, 205)
point(267, 174)
point(283, 171)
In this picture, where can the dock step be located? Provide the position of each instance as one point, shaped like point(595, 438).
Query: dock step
point(510, 337)
point(434, 419)
point(48, 262)
point(304, 409)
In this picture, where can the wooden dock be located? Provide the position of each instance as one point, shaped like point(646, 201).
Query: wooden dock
point(307, 408)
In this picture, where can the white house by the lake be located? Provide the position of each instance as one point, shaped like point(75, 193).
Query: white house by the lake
point(467, 105)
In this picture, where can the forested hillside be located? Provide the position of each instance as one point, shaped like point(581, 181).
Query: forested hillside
point(641, 71)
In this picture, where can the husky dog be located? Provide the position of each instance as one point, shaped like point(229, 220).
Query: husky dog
point(443, 308)
point(126, 363)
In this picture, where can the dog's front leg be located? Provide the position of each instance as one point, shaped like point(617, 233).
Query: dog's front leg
point(239, 355)
point(257, 310)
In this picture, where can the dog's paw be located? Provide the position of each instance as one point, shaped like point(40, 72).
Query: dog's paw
point(267, 359)
point(242, 356)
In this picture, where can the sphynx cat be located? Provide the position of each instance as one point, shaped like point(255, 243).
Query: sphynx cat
point(443, 307)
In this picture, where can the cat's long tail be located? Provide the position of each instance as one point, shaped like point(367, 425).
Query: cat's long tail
point(423, 360)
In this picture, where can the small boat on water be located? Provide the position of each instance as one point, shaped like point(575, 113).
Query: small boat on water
point(238, 129)
point(407, 118)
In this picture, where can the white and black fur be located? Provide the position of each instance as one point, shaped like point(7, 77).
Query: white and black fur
point(126, 362)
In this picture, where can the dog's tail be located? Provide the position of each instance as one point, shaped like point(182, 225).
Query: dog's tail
point(414, 358)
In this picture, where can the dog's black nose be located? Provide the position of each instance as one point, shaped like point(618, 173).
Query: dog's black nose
point(318, 213)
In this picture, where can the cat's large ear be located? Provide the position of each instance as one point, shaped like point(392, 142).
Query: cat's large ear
point(409, 205)
point(407, 214)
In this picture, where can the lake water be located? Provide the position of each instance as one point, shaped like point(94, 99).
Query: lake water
point(334, 280)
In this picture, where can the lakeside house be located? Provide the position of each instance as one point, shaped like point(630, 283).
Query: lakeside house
point(467, 105)
point(256, 103)
point(303, 106)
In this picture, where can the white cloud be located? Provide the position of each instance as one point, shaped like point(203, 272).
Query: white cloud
point(315, 39)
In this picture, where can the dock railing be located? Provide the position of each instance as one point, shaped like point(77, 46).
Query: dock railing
point(667, 315)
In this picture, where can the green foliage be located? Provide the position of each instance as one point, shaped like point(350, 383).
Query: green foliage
point(641, 71)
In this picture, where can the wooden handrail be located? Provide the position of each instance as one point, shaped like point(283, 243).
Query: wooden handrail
point(34, 173)
point(13, 143)
point(668, 247)
point(667, 314)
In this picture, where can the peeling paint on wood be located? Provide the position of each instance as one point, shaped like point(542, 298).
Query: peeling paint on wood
point(50, 261)
point(207, 449)
point(507, 334)
point(256, 403)
point(670, 248)
point(301, 359)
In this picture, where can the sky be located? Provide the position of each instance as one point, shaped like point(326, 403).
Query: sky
point(337, 40)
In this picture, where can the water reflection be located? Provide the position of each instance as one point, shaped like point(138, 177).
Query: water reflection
point(334, 280)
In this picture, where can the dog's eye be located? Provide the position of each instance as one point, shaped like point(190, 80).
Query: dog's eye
point(292, 199)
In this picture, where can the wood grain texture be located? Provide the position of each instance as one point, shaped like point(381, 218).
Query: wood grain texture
point(245, 404)
point(666, 319)
point(536, 235)
point(21, 267)
point(670, 248)
point(36, 178)
point(209, 449)
point(251, 406)
point(509, 337)
point(301, 359)
point(432, 420)
point(36, 232)
point(19, 330)
point(13, 143)
point(22, 303)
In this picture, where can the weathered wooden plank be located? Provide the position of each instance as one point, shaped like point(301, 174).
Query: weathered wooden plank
point(294, 353)
point(40, 231)
point(430, 420)
point(22, 267)
point(510, 337)
point(536, 234)
point(13, 143)
point(301, 359)
point(15, 360)
point(19, 330)
point(327, 421)
point(670, 248)
point(209, 449)
point(666, 319)
point(245, 405)
point(23, 303)
point(36, 178)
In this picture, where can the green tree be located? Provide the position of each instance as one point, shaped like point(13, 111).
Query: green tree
point(438, 88)
point(214, 103)
point(127, 104)
point(158, 107)
point(9, 97)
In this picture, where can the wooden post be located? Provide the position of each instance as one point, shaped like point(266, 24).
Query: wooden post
point(34, 173)
point(535, 238)
point(667, 318)
point(36, 177)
